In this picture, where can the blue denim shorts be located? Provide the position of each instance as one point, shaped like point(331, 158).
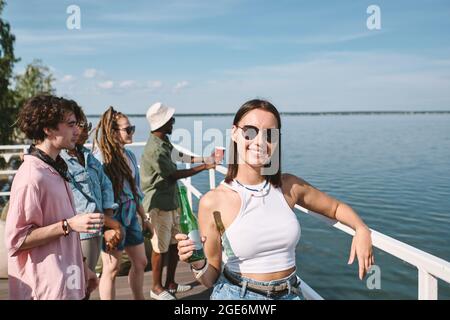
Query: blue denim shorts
point(132, 232)
point(225, 290)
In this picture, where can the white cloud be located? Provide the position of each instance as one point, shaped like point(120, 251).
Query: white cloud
point(30, 36)
point(341, 81)
point(106, 84)
point(155, 84)
point(67, 78)
point(127, 84)
point(333, 81)
point(180, 85)
point(172, 11)
point(97, 39)
point(90, 73)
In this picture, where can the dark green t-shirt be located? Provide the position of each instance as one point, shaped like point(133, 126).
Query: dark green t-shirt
point(156, 166)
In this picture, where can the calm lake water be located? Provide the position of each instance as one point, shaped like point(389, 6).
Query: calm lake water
point(394, 170)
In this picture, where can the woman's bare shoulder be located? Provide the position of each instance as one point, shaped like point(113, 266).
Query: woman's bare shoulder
point(294, 186)
point(221, 199)
point(291, 180)
point(216, 197)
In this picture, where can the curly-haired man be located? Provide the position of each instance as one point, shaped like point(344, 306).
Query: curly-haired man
point(44, 252)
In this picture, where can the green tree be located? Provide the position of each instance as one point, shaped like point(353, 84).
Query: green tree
point(36, 79)
point(8, 109)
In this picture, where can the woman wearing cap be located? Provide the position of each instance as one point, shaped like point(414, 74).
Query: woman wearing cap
point(113, 132)
point(250, 217)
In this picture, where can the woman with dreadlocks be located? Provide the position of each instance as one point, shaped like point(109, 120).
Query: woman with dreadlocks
point(113, 132)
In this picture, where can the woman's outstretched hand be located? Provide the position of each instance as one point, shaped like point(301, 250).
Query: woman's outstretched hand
point(362, 249)
point(186, 246)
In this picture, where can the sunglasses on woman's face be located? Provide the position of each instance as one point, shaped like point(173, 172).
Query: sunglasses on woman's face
point(251, 132)
point(129, 129)
point(83, 125)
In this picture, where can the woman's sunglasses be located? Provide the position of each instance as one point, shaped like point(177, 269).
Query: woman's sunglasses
point(250, 133)
point(84, 125)
point(129, 130)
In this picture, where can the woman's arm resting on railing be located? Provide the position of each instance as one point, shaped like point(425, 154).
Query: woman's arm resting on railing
point(315, 200)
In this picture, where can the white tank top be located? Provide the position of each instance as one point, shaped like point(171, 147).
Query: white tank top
point(263, 236)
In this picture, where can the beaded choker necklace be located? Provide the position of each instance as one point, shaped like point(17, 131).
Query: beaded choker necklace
point(251, 189)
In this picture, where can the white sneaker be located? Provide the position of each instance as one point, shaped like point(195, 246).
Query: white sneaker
point(180, 288)
point(164, 295)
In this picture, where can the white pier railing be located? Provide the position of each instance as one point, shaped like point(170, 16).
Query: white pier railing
point(429, 267)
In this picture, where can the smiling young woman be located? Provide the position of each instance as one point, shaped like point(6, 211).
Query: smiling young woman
point(250, 217)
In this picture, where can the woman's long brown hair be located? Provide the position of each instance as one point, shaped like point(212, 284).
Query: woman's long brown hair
point(233, 165)
point(114, 162)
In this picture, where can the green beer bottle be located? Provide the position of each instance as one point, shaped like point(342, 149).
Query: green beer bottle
point(189, 225)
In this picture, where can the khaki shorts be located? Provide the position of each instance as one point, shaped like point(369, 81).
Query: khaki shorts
point(166, 224)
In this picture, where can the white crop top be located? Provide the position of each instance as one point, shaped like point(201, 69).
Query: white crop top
point(264, 235)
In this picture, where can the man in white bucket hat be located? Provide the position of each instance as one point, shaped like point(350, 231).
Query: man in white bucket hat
point(159, 175)
point(158, 115)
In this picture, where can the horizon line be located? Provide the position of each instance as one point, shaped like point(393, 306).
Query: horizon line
point(294, 113)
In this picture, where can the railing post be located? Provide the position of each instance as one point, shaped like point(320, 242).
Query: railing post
point(428, 287)
point(189, 193)
point(212, 179)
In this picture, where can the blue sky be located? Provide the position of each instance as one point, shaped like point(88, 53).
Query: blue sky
point(211, 56)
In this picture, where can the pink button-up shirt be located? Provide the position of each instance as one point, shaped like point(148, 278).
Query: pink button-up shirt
point(41, 197)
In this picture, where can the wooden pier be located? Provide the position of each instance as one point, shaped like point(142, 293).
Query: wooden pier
point(123, 291)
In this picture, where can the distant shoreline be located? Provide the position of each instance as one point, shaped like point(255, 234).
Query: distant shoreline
point(324, 113)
